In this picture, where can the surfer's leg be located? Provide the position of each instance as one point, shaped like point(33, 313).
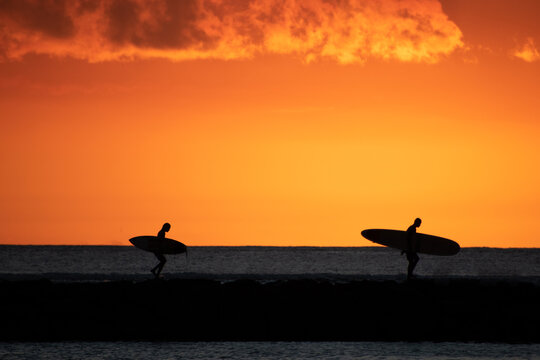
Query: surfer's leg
point(161, 264)
point(410, 266)
point(413, 260)
point(160, 268)
point(157, 269)
point(154, 269)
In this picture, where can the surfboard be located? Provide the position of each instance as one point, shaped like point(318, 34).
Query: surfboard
point(158, 245)
point(426, 244)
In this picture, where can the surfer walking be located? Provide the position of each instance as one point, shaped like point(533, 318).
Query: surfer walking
point(412, 247)
point(161, 235)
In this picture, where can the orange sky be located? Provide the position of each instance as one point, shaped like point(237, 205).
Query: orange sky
point(269, 122)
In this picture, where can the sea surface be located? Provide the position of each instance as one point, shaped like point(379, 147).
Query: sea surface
point(266, 350)
point(102, 263)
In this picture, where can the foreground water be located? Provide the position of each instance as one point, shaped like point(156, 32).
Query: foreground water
point(266, 350)
point(74, 263)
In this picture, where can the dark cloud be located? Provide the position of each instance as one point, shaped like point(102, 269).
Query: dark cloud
point(170, 24)
point(348, 31)
point(47, 16)
point(122, 21)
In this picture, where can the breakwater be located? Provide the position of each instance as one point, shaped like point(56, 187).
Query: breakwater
point(291, 310)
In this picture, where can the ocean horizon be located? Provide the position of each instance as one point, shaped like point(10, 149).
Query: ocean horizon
point(116, 262)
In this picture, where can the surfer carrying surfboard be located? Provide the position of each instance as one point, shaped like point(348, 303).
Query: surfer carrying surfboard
point(412, 243)
point(412, 247)
point(161, 235)
point(159, 245)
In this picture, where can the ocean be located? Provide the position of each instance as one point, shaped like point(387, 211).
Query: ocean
point(267, 350)
point(264, 264)
point(102, 263)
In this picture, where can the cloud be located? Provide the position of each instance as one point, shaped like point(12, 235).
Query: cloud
point(346, 31)
point(46, 17)
point(527, 51)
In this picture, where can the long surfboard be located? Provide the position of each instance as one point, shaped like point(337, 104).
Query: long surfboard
point(158, 245)
point(426, 244)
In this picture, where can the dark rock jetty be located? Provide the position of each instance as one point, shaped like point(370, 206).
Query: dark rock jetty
point(291, 310)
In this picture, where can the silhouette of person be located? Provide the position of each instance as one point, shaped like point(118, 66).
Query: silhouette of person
point(412, 247)
point(161, 235)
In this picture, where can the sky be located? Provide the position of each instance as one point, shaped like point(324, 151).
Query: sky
point(282, 123)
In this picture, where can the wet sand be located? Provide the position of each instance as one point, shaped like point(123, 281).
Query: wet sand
point(307, 310)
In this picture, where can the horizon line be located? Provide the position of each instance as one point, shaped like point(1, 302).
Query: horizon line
point(275, 246)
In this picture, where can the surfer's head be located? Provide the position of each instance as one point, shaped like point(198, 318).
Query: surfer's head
point(417, 222)
point(166, 227)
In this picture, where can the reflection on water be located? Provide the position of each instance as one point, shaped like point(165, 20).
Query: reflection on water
point(266, 350)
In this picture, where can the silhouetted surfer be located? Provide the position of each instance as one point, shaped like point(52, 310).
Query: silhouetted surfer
point(161, 235)
point(412, 247)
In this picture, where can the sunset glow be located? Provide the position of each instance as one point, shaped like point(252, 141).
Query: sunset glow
point(286, 123)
